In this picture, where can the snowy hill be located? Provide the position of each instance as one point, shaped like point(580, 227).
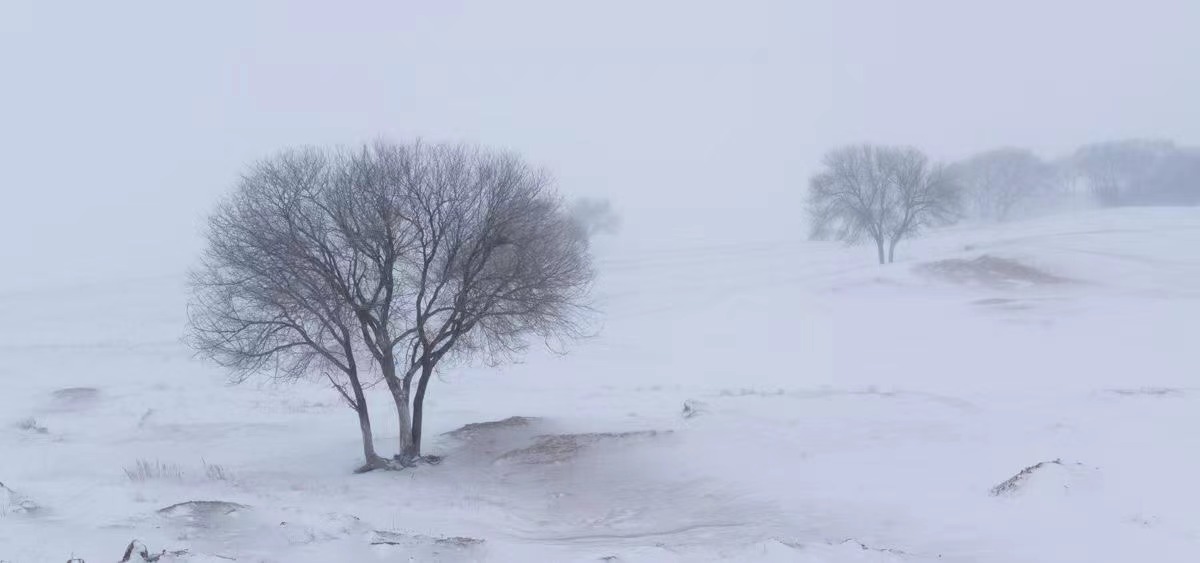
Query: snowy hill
point(773, 401)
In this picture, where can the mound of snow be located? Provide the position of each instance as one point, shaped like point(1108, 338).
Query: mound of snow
point(12, 502)
point(1045, 477)
point(202, 513)
point(430, 548)
point(1148, 392)
point(848, 551)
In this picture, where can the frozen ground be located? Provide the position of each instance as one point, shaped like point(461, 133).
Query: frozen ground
point(836, 411)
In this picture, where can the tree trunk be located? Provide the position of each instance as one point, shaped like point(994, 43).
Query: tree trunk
point(399, 391)
point(372, 459)
point(419, 410)
point(404, 420)
point(892, 250)
point(879, 247)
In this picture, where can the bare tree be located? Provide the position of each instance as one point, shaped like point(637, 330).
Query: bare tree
point(267, 297)
point(372, 215)
point(407, 254)
point(884, 194)
point(498, 258)
point(1000, 182)
point(1117, 171)
point(848, 200)
point(926, 194)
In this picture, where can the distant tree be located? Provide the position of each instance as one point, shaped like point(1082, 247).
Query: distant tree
point(885, 194)
point(1179, 179)
point(596, 216)
point(268, 296)
point(1116, 172)
point(1000, 182)
point(1140, 172)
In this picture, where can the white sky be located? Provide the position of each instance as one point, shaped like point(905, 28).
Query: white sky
point(122, 122)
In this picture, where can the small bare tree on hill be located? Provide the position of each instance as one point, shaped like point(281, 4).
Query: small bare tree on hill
point(884, 194)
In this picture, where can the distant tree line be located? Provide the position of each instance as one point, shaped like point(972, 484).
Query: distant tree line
point(1007, 183)
point(1138, 172)
point(885, 194)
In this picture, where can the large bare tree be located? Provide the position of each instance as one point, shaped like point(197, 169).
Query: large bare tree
point(884, 194)
point(408, 255)
point(268, 294)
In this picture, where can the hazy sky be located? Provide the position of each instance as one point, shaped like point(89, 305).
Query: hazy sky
point(122, 122)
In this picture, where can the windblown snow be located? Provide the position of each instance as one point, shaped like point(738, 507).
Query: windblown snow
point(1025, 392)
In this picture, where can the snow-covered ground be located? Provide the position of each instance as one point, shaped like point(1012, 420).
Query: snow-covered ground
point(836, 411)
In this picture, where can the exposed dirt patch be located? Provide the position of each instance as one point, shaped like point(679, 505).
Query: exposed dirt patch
point(557, 448)
point(693, 408)
point(989, 271)
point(1002, 304)
point(478, 429)
point(1148, 392)
point(484, 441)
point(995, 302)
point(74, 398)
point(30, 424)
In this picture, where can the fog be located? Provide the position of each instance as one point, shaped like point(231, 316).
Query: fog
point(123, 122)
point(824, 281)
